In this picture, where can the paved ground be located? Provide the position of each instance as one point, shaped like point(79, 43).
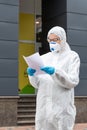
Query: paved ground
point(81, 126)
point(77, 127)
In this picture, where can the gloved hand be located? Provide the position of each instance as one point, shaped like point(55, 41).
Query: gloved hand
point(30, 71)
point(47, 69)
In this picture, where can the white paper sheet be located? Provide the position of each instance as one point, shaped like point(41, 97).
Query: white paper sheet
point(34, 61)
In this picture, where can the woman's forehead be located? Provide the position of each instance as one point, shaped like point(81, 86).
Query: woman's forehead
point(52, 35)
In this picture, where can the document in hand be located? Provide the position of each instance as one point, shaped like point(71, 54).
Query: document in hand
point(34, 61)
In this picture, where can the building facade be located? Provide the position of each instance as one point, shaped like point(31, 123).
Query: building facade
point(20, 35)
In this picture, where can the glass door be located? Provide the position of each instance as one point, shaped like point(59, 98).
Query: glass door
point(29, 39)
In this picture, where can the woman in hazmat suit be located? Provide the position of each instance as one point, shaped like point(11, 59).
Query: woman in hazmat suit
point(55, 109)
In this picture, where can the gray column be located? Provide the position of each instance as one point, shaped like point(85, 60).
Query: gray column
point(8, 62)
point(77, 38)
point(9, 47)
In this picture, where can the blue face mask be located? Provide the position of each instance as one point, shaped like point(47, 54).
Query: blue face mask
point(54, 46)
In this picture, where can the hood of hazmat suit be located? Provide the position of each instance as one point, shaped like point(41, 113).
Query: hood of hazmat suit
point(55, 109)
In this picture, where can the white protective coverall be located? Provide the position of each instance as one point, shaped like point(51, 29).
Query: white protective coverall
point(55, 109)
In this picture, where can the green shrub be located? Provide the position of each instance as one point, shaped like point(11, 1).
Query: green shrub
point(28, 89)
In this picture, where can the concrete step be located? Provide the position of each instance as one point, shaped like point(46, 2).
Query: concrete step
point(26, 110)
point(26, 117)
point(20, 116)
point(26, 107)
point(24, 123)
point(27, 98)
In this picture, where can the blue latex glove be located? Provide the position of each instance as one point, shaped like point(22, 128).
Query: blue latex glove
point(47, 69)
point(30, 71)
